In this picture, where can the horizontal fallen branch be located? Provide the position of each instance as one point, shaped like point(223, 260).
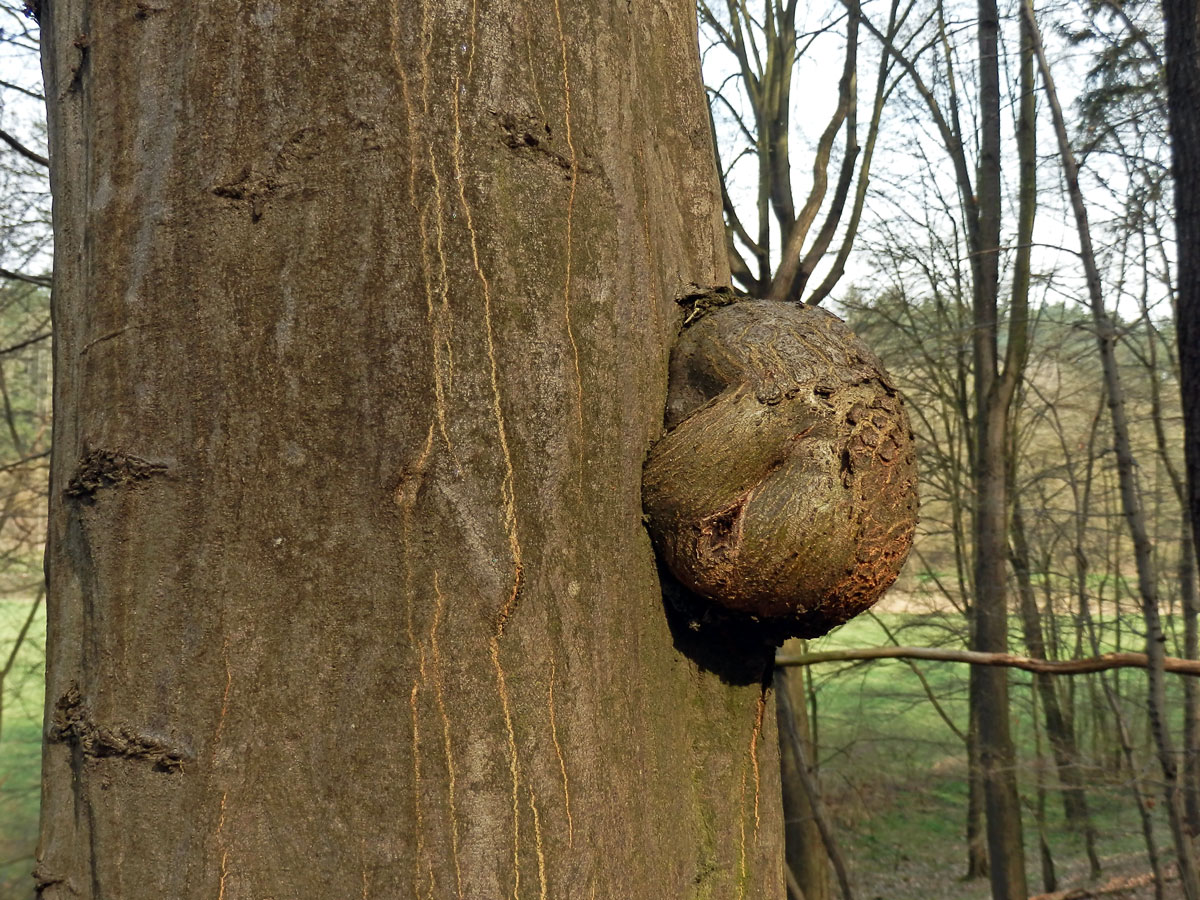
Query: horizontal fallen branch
point(976, 658)
point(1115, 885)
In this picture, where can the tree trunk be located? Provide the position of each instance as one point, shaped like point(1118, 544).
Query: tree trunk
point(975, 833)
point(362, 320)
point(1183, 107)
point(804, 770)
point(804, 849)
point(1049, 875)
point(993, 395)
point(1059, 730)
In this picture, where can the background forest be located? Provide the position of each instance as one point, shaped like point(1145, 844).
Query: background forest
point(869, 153)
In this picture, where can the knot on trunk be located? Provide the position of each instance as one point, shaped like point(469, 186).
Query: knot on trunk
point(785, 487)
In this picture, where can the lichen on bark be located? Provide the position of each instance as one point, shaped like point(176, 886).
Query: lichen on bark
point(785, 486)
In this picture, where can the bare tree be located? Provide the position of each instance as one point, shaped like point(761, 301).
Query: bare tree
point(756, 98)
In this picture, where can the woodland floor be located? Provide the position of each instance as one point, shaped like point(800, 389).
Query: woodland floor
point(1124, 878)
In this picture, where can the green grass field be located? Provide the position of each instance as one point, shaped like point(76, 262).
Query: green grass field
point(20, 748)
point(895, 775)
point(893, 770)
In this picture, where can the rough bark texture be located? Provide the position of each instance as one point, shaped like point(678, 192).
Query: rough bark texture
point(363, 316)
point(786, 486)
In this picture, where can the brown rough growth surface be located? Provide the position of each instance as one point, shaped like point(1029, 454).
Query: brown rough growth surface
point(786, 485)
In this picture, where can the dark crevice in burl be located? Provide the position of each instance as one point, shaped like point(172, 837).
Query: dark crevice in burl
point(737, 648)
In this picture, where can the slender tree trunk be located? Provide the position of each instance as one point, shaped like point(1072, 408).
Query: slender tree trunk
point(976, 832)
point(1049, 876)
point(804, 775)
point(1124, 749)
point(1183, 107)
point(362, 319)
point(804, 849)
point(1059, 729)
point(993, 395)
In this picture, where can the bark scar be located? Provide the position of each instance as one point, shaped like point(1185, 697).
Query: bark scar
point(73, 724)
point(102, 468)
point(43, 880)
point(528, 134)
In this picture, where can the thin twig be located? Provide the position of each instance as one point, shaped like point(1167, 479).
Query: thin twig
point(32, 155)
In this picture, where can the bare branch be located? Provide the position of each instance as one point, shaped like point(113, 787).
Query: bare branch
point(22, 90)
point(26, 343)
point(39, 280)
point(20, 462)
point(23, 150)
point(1082, 666)
point(949, 135)
point(784, 283)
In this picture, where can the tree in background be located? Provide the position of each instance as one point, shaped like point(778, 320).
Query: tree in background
point(1131, 497)
point(1182, 57)
point(777, 254)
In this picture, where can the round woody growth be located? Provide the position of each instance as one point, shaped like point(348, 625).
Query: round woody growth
point(785, 487)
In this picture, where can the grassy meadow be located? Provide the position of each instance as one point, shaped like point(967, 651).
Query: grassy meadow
point(20, 747)
point(894, 772)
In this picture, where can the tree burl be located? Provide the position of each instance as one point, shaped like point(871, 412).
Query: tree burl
point(785, 486)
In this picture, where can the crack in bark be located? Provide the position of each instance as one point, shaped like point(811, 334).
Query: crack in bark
point(573, 166)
